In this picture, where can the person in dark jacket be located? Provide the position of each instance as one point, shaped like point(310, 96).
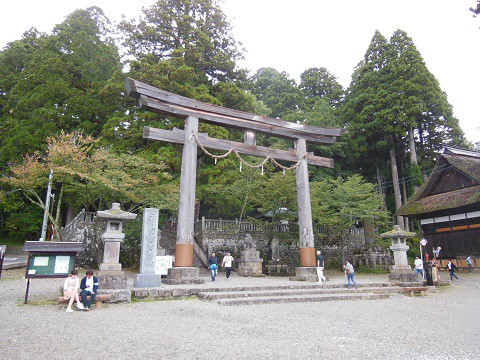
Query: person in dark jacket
point(451, 267)
point(89, 287)
point(213, 265)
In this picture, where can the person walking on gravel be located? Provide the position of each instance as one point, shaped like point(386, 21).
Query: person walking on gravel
point(418, 266)
point(320, 267)
point(451, 267)
point(70, 290)
point(469, 263)
point(213, 265)
point(227, 264)
point(350, 272)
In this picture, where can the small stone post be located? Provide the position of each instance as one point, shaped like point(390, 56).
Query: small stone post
point(148, 257)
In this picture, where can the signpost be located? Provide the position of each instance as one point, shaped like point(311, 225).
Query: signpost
point(49, 259)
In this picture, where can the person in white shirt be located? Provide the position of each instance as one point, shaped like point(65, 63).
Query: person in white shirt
point(227, 263)
point(89, 286)
point(418, 266)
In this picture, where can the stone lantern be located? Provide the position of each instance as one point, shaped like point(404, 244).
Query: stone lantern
point(111, 275)
point(401, 271)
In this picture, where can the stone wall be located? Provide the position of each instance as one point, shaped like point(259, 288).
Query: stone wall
point(278, 246)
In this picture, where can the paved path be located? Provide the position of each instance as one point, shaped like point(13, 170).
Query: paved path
point(442, 325)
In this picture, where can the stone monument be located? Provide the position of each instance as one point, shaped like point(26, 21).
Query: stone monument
point(401, 271)
point(250, 263)
point(148, 256)
point(111, 275)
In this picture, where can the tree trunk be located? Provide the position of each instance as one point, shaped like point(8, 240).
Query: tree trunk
point(396, 185)
point(411, 145)
point(379, 181)
point(413, 152)
point(404, 192)
point(58, 214)
point(70, 214)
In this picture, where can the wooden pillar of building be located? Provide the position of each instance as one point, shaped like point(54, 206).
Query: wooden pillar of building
point(186, 208)
point(307, 245)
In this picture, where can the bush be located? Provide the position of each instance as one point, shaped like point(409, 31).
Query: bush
point(362, 269)
point(132, 244)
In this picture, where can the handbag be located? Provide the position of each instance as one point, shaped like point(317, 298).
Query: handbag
point(213, 267)
point(347, 272)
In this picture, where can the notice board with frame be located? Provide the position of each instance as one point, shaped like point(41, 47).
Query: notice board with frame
point(50, 259)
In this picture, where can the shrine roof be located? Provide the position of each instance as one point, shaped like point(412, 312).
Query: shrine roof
point(462, 163)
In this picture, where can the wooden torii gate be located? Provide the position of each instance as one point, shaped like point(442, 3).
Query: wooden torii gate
point(192, 111)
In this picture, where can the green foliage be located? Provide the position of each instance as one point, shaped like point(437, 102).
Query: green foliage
point(318, 83)
point(56, 82)
point(277, 91)
point(196, 31)
point(362, 269)
point(343, 202)
point(130, 250)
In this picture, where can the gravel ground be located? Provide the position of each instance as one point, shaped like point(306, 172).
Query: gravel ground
point(442, 325)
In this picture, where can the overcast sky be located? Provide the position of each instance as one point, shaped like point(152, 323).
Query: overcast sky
point(293, 36)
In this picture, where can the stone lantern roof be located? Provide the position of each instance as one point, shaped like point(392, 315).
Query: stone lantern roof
point(115, 213)
point(397, 232)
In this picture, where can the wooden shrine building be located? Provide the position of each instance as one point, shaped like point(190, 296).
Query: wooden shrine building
point(448, 206)
point(193, 111)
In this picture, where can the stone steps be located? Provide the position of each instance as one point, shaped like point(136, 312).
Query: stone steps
point(300, 298)
point(303, 293)
point(286, 292)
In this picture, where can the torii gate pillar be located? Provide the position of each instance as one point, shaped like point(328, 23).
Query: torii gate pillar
point(307, 270)
point(184, 272)
point(307, 245)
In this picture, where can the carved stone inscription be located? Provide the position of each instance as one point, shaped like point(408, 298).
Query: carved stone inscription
point(149, 241)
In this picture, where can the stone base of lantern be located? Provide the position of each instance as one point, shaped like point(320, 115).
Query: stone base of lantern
point(180, 275)
point(109, 280)
point(402, 276)
point(305, 274)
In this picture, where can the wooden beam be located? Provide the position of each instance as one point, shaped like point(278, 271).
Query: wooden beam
point(178, 136)
point(136, 89)
point(183, 112)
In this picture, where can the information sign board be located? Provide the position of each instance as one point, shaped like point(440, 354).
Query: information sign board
point(163, 263)
point(50, 265)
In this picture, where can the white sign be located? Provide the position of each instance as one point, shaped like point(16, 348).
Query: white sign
point(163, 263)
point(423, 242)
point(61, 264)
point(40, 261)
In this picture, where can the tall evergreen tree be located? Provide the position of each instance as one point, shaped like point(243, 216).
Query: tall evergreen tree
point(392, 99)
point(277, 91)
point(195, 30)
point(319, 83)
point(60, 84)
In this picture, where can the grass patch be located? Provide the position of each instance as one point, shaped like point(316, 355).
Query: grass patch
point(369, 270)
point(37, 302)
point(12, 242)
point(170, 298)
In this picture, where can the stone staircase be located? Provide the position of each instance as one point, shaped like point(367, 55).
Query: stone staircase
point(304, 293)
